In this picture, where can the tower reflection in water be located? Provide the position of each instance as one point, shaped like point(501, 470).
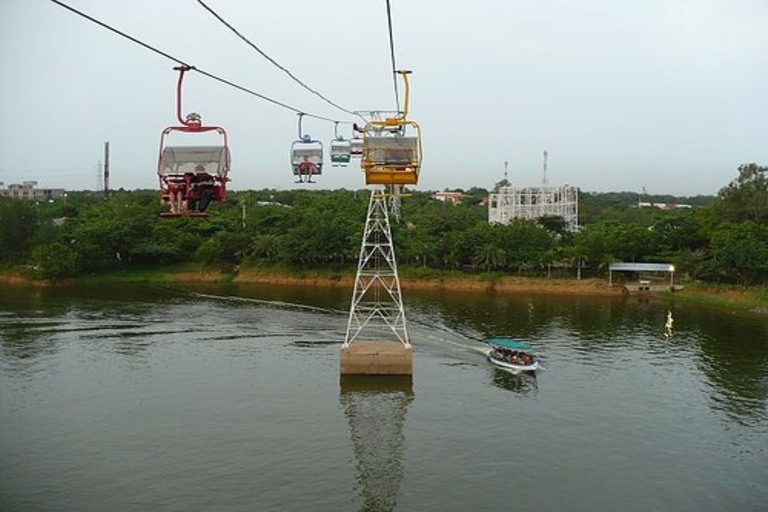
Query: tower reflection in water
point(375, 407)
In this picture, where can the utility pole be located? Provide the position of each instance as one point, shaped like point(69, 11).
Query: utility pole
point(545, 180)
point(106, 169)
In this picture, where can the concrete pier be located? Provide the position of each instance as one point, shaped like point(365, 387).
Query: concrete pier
point(377, 358)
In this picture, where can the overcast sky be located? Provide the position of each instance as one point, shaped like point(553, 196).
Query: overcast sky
point(670, 95)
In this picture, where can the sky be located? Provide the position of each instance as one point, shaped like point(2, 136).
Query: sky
point(666, 95)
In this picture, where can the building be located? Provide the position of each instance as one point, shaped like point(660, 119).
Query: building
point(449, 197)
point(531, 203)
point(29, 190)
point(663, 206)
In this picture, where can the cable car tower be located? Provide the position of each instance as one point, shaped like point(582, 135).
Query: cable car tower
point(377, 339)
point(192, 176)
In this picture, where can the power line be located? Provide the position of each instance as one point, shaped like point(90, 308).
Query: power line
point(392, 55)
point(270, 59)
point(179, 61)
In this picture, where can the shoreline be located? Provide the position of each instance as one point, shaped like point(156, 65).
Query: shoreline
point(507, 284)
point(754, 301)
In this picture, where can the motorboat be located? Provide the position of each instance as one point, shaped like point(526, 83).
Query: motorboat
point(514, 355)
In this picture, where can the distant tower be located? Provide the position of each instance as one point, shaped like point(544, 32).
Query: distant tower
point(505, 171)
point(545, 180)
point(106, 169)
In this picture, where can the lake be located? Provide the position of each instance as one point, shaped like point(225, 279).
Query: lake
point(228, 397)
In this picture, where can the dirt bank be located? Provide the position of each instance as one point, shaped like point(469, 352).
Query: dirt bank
point(468, 284)
point(744, 299)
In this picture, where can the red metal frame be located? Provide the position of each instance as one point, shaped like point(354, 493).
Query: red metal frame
point(192, 124)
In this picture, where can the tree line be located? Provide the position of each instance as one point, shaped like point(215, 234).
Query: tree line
point(719, 239)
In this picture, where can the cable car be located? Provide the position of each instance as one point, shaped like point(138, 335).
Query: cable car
point(306, 157)
point(390, 157)
point(192, 176)
point(356, 147)
point(341, 149)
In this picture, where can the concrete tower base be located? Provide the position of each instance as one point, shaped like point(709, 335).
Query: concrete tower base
point(377, 358)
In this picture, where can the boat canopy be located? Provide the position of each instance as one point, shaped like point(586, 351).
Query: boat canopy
point(510, 343)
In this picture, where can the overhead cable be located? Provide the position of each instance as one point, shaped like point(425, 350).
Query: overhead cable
point(270, 59)
point(392, 55)
point(193, 68)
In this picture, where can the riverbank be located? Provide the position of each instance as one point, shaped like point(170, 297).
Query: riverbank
point(747, 299)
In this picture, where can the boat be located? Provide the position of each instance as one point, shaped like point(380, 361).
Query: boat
point(514, 355)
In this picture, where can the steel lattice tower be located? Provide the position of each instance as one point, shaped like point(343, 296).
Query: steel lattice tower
point(376, 312)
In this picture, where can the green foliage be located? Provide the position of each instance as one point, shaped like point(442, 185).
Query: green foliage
point(746, 197)
point(740, 251)
point(211, 252)
point(54, 261)
point(322, 229)
point(18, 222)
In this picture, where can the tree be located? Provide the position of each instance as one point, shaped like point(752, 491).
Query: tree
point(746, 197)
point(264, 247)
point(489, 257)
point(740, 251)
point(18, 221)
point(54, 261)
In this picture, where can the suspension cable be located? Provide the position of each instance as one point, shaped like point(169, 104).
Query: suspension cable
point(179, 61)
point(392, 55)
point(270, 59)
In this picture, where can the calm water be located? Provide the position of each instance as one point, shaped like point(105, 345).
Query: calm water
point(229, 398)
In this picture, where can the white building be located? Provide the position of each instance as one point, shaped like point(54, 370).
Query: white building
point(29, 190)
point(531, 203)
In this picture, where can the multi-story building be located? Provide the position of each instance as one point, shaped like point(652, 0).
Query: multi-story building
point(29, 190)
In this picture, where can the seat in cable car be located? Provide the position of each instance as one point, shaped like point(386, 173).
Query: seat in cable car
point(306, 159)
point(341, 152)
point(391, 160)
point(191, 177)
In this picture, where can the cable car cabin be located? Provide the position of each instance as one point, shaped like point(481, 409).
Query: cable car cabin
point(306, 160)
point(191, 177)
point(391, 160)
point(356, 148)
point(341, 152)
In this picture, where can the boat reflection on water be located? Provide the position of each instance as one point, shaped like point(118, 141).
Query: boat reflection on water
point(375, 407)
point(520, 382)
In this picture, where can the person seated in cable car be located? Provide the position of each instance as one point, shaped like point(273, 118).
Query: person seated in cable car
point(307, 168)
point(202, 190)
point(176, 195)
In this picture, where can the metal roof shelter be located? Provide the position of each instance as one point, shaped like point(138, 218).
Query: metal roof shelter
point(621, 266)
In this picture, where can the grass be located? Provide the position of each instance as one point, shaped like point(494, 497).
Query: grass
point(753, 298)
